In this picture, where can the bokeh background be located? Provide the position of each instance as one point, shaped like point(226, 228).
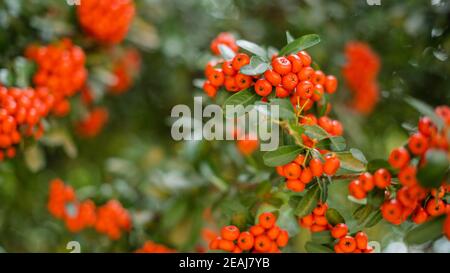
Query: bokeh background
point(168, 185)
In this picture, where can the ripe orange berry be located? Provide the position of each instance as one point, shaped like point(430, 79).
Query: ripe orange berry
point(280, 92)
point(273, 77)
point(214, 244)
point(316, 167)
point(320, 220)
point(289, 81)
point(317, 228)
point(356, 190)
point(306, 221)
point(426, 126)
point(347, 244)
point(361, 240)
point(256, 230)
point(317, 93)
point(229, 233)
point(418, 144)
point(283, 238)
point(406, 197)
point(243, 81)
point(262, 243)
point(263, 88)
point(439, 192)
point(296, 62)
point(306, 175)
point(320, 210)
point(306, 59)
point(240, 60)
point(305, 89)
point(226, 245)
point(267, 220)
point(306, 74)
point(407, 176)
point(295, 185)
point(281, 65)
point(227, 68)
point(331, 165)
point(419, 215)
point(245, 240)
point(237, 250)
point(300, 159)
point(435, 207)
point(382, 178)
point(280, 170)
point(331, 84)
point(339, 231)
point(230, 84)
point(292, 170)
point(319, 77)
point(399, 158)
point(216, 77)
point(366, 181)
point(392, 211)
point(337, 249)
point(209, 89)
point(273, 233)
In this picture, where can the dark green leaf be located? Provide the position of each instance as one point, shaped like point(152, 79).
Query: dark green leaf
point(315, 132)
point(376, 164)
point(350, 163)
point(299, 44)
point(323, 237)
point(285, 107)
point(256, 66)
point(281, 156)
point(433, 172)
point(317, 248)
point(243, 98)
point(334, 217)
point(375, 198)
point(252, 48)
point(425, 232)
point(308, 202)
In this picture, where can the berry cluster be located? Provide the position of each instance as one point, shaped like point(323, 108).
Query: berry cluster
point(366, 182)
point(93, 123)
point(109, 219)
point(107, 21)
point(290, 76)
point(125, 69)
point(316, 221)
point(21, 113)
point(61, 70)
point(264, 237)
point(152, 247)
point(303, 169)
point(360, 73)
point(347, 243)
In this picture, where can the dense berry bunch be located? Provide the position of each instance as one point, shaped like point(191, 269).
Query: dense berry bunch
point(107, 21)
point(109, 219)
point(360, 73)
point(61, 70)
point(125, 69)
point(407, 198)
point(93, 123)
point(263, 237)
point(316, 221)
point(289, 76)
point(303, 169)
point(345, 243)
point(152, 247)
point(21, 113)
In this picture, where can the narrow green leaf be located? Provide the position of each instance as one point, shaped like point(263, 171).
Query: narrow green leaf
point(426, 232)
point(323, 237)
point(252, 48)
point(358, 155)
point(281, 156)
point(350, 163)
point(256, 66)
point(226, 52)
point(317, 248)
point(308, 202)
point(334, 217)
point(299, 44)
point(426, 110)
point(376, 164)
point(243, 98)
point(315, 132)
point(338, 143)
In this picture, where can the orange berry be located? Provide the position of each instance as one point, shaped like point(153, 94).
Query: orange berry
point(407, 176)
point(229, 233)
point(267, 220)
point(214, 244)
point(292, 170)
point(361, 240)
point(226, 245)
point(263, 88)
point(419, 215)
point(435, 207)
point(382, 178)
point(356, 190)
point(272, 77)
point(320, 220)
point(296, 62)
point(331, 84)
point(283, 238)
point(418, 144)
point(316, 167)
point(300, 159)
point(339, 231)
point(280, 92)
point(240, 60)
point(366, 180)
point(295, 185)
point(392, 211)
point(317, 228)
point(319, 77)
point(289, 81)
point(306, 221)
point(320, 210)
point(245, 240)
point(281, 65)
point(273, 233)
point(347, 244)
point(306, 74)
point(262, 243)
point(306, 175)
point(306, 59)
point(331, 165)
point(399, 158)
point(256, 230)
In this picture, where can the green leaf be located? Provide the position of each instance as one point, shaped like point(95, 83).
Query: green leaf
point(433, 172)
point(376, 164)
point(299, 44)
point(350, 163)
point(289, 37)
point(367, 216)
point(23, 69)
point(375, 198)
point(323, 237)
point(334, 217)
point(286, 108)
point(281, 156)
point(256, 66)
point(338, 143)
point(243, 98)
point(6, 77)
point(323, 191)
point(226, 52)
point(358, 155)
point(308, 202)
point(317, 248)
point(323, 105)
point(426, 110)
point(373, 219)
point(315, 132)
point(174, 214)
point(252, 48)
point(425, 232)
